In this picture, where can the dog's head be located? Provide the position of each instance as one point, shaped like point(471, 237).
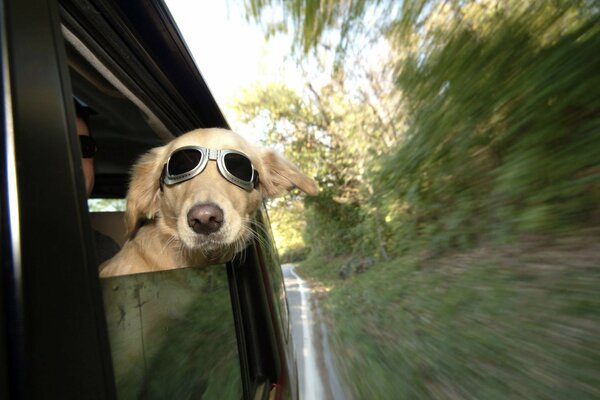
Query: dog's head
point(211, 211)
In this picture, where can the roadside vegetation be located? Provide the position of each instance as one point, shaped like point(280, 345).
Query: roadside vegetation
point(493, 323)
point(457, 148)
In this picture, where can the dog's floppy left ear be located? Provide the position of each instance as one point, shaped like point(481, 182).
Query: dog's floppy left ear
point(143, 198)
point(280, 175)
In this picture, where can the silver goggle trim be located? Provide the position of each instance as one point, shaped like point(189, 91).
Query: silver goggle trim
point(217, 155)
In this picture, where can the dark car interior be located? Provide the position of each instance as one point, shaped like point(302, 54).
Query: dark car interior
point(120, 129)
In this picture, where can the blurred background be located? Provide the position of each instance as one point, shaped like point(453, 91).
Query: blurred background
point(454, 243)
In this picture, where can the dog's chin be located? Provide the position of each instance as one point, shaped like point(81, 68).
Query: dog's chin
point(214, 246)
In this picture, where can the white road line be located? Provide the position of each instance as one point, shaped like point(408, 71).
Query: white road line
point(313, 385)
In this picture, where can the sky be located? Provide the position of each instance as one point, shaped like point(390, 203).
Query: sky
point(231, 53)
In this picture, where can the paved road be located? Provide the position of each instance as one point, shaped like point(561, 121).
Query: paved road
point(316, 369)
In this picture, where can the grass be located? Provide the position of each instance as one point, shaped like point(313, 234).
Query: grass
point(517, 322)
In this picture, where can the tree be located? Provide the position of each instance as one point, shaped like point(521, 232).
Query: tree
point(490, 127)
point(333, 133)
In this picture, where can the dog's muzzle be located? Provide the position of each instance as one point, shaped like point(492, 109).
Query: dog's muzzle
point(205, 218)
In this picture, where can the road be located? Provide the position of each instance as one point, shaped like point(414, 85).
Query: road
point(316, 369)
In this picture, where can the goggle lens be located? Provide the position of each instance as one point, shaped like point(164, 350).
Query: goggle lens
point(183, 161)
point(238, 166)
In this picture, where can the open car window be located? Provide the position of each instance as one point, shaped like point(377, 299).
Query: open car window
point(171, 333)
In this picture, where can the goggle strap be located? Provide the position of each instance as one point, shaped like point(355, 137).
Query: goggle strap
point(255, 179)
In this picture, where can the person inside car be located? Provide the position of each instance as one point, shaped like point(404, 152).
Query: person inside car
point(106, 247)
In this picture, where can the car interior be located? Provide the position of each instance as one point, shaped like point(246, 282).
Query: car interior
point(122, 133)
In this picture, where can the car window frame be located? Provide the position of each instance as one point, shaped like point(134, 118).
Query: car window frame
point(57, 343)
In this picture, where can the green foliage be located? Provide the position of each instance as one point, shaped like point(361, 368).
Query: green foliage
point(287, 225)
point(504, 135)
point(313, 19)
point(99, 205)
point(482, 325)
point(288, 121)
point(314, 132)
point(499, 112)
point(331, 226)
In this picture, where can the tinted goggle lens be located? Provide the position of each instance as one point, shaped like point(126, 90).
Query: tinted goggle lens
point(238, 166)
point(183, 161)
point(88, 146)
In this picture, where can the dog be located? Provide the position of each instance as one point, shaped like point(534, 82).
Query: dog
point(191, 202)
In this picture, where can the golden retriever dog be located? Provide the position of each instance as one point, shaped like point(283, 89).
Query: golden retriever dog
point(191, 202)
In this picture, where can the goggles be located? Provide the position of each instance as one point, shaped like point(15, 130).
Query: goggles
point(88, 146)
point(189, 161)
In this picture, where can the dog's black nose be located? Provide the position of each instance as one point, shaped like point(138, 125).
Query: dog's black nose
point(205, 218)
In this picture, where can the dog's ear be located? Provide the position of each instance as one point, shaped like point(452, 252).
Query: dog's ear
point(279, 175)
point(143, 197)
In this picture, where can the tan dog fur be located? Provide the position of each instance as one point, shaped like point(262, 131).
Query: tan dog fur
point(166, 241)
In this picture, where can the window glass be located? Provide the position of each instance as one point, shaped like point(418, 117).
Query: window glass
point(172, 335)
point(106, 205)
point(276, 274)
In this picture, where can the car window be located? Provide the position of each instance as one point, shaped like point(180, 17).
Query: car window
point(187, 333)
point(106, 205)
point(172, 335)
point(275, 273)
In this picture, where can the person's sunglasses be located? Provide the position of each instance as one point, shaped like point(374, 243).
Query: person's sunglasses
point(88, 146)
point(189, 161)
